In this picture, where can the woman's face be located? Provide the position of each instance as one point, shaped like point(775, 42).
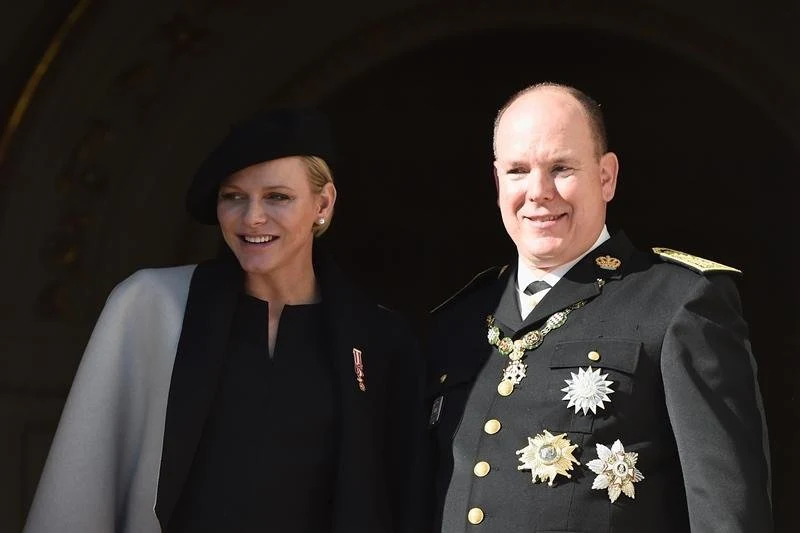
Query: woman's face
point(267, 213)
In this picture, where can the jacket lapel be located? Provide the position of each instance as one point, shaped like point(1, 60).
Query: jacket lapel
point(580, 282)
point(213, 294)
point(347, 314)
point(507, 312)
point(576, 285)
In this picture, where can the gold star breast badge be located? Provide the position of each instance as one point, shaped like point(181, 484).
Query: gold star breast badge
point(547, 456)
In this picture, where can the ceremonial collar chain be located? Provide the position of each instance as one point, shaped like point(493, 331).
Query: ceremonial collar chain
point(515, 349)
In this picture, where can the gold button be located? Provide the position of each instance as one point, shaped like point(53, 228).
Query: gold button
point(475, 516)
point(481, 469)
point(492, 426)
point(442, 378)
point(593, 356)
point(505, 388)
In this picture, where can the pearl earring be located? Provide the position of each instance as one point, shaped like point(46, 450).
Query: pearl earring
point(321, 221)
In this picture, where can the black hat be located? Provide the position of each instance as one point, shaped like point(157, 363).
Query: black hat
point(272, 135)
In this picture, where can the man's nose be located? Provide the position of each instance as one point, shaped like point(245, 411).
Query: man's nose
point(540, 186)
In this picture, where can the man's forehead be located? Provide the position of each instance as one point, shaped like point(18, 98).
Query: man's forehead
point(541, 110)
point(531, 134)
point(526, 154)
point(524, 127)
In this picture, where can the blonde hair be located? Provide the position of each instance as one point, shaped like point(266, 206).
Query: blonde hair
point(319, 173)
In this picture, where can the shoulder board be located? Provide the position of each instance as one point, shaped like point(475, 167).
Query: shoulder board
point(698, 264)
point(490, 274)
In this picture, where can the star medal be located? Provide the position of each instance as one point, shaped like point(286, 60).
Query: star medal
point(587, 390)
point(616, 471)
point(547, 456)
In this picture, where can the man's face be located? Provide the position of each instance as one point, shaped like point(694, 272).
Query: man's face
point(552, 186)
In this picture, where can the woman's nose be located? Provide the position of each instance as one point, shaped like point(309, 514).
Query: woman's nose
point(255, 214)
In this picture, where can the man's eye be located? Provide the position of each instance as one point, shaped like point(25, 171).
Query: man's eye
point(516, 171)
point(561, 170)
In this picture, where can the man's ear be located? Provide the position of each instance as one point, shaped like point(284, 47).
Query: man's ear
point(496, 181)
point(609, 168)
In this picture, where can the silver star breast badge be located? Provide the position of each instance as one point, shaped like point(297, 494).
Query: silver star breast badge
point(587, 390)
point(616, 471)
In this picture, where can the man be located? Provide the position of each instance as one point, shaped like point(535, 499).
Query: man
point(621, 396)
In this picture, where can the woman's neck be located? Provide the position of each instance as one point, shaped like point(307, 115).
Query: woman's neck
point(287, 286)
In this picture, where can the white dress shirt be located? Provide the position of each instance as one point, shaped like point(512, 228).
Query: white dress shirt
point(525, 277)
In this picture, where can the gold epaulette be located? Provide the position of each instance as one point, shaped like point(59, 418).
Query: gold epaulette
point(698, 264)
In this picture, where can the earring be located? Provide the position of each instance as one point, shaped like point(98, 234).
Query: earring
point(321, 221)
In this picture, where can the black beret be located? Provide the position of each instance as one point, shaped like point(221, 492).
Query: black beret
point(268, 136)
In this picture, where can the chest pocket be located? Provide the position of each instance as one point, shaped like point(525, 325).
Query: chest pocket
point(618, 358)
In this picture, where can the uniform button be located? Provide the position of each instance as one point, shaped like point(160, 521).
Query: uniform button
point(442, 378)
point(505, 387)
point(593, 356)
point(492, 426)
point(481, 469)
point(475, 516)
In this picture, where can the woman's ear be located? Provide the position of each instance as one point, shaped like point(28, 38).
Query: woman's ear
point(327, 198)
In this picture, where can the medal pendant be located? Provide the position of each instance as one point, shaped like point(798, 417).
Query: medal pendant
point(514, 372)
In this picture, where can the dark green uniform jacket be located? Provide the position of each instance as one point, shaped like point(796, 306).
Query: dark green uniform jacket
point(685, 400)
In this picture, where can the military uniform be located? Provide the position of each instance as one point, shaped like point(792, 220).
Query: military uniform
point(684, 412)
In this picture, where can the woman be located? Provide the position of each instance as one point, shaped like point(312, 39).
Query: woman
point(256, 392)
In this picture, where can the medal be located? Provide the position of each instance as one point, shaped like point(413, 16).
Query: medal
point(587, 390)
point(547, 456)
point(515, 349)
point(616, 471)
point(358, 367)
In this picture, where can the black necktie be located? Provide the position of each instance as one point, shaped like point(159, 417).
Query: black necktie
point(536, 286)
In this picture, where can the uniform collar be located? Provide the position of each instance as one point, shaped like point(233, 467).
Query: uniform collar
point(580, 282)
point(525, 276)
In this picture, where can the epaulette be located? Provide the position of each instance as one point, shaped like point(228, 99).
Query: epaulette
point(490, 274)
point(698, 264)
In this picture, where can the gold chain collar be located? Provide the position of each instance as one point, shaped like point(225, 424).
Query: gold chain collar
point(515, 349)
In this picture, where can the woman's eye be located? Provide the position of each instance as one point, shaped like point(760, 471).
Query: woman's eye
point(231, 196)
point(277, 197)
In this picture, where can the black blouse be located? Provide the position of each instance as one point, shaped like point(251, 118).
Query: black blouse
point(268, 454)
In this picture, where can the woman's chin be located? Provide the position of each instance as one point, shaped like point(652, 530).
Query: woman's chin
point(256, 266)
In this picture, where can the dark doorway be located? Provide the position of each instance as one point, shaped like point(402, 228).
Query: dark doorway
point(702, 170)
